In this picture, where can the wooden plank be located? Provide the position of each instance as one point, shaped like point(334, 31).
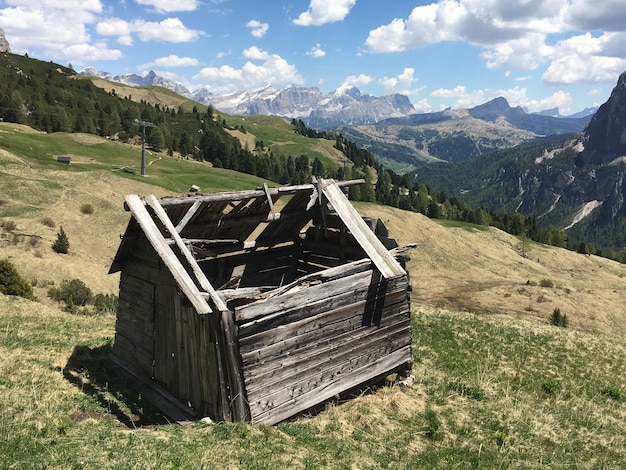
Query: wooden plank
point(159, 244)
point(202, 280)
point(276, 306)
point(269, 201)
point(296, 317)
point(308, 332)
point(386, 264)
point(274, 386)
point(250, 194)
point(188, 215)
point(298, 337)
point(311, 301)
point(159, 397)
point(237, 397)
point(305, 281)
point(308, 353)
point(130, 351)
point(316, 396)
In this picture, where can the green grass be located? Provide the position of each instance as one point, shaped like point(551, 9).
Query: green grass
point(464, 225)
point(488, 393)
point(278, 134)
point(39, 150)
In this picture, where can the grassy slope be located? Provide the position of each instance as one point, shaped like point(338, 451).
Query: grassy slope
point(491, 390)
point(150, 94)
point(276, 133)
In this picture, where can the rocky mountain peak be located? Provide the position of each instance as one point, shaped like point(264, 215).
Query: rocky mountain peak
point(605, 136)
point(491, 110)
point(4, 44)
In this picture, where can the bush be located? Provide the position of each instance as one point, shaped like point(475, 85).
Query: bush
point(11, 283)
point(106, 303)
point(74, 293)
point(86, 209)
point(546, 283)
point(62, 243)
point(612, 391)
point(48, 222)
point(9, 225)
point(558, 319)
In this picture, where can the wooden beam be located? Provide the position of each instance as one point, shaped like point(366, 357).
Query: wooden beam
point(269, 201)
point(250, 194)
point(188, 215)
point(184, 249)
point(156, 239)
point(382, 259)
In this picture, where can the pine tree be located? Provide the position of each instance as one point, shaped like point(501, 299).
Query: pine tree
point(62, 243)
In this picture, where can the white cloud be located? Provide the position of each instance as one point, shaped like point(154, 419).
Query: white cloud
point(403, 83)
point(478, 22)
point(517, 35)
point(423, 106)
point(168, 30)
point(526, 53)
point(355, 81)
point(55, 29)
point(587, 59)
point(82, 53)
point(171, 61)
point(254, 53)
point(316, 52)
point(116, 27)
point(273, 70)
point(71, 7)
point(167, 6)
point(258, 29)
point(323, 11)
point(558, 99)
point(460, 97)
point(593, 15)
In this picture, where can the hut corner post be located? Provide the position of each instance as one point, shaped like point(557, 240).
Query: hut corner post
point(238, 408)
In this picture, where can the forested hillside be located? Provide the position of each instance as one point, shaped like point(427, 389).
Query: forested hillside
point(53, 98)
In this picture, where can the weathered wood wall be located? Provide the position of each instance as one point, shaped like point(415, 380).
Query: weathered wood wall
point(322, 338)
point(163, 339)
point(324, 321)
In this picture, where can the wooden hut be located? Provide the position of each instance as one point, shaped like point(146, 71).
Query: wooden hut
point(257, 305)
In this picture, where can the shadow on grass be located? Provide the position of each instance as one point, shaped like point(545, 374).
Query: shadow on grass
point(93, 372)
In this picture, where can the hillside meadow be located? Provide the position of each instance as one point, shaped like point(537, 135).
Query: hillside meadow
point(495, 385)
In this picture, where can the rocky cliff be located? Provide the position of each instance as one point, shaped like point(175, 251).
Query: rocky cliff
point(578, 184)
point(4, 44)
point(605, 136)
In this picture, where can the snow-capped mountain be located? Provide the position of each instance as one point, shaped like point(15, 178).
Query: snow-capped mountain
point(347, 106)
point(132, 79)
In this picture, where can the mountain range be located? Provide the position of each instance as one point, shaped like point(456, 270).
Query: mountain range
point(346, 106)
point(456, 135)
point(578, 183)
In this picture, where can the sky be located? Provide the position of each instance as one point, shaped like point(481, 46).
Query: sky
point(538, 54)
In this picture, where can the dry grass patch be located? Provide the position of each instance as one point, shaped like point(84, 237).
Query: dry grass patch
point(482, 271)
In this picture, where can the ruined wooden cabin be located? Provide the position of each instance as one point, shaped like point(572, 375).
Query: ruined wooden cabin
point(257, 305)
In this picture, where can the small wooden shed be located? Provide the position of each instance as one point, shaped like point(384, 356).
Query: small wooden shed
point(257, 305)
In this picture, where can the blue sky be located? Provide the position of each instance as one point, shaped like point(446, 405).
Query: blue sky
point(538, 54)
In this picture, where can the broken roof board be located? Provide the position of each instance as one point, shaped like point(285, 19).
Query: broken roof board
point(233, 216)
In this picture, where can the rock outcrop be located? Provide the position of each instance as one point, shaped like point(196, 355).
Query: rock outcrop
point(4, 44)
point(605, 136)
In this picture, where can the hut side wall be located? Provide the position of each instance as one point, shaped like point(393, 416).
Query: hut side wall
point(134, 327)
point(186, 360)
point(163, 339)
point(303, 347)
